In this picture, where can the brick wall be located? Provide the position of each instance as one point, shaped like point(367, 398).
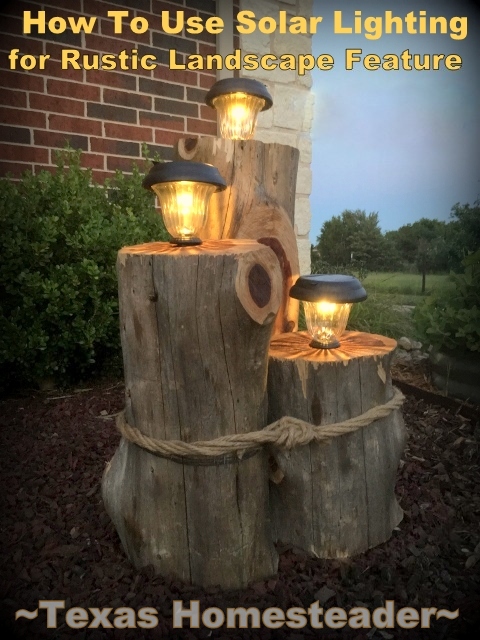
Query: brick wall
point(107, 114)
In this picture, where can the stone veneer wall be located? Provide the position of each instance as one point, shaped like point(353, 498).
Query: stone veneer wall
point(290, 119)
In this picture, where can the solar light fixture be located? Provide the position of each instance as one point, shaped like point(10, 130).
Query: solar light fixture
point(184, 189)
point(327, 300)
point(238, 102)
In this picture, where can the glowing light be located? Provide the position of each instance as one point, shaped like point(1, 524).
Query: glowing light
point(327, 300)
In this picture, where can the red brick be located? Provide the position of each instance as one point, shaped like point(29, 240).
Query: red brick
point(22, 81)
point(159, 6)
point(157, 88)
point(26, 44)
point(14, 168)
point(12, 25)
point(111, 96)
point(53, 68)
point(176, 106)
point(73, 90)
point(55, 51)
point(199, 126)
point(101, 176)
point(180, 44)
point(207, 81)
point(124, 164)
point(111, 45)
point(167, 137)
point(115, 147)
point(23, 154)
point(165, 153)
point(56, 104)
point(162, 121)
point(23, 117)
point(61, 5)
point(13, 98)
point(17, 135)
point(84, 126)
point(112, 79)
point(184, 77)
point(109, 112)
point(202, 5)
point(93, 160)
point(128, 132)
point(207, 113)
point(59, 140)
point(204, 36)
point(100, 8)
point(128, 35)
point(196, 95)
point(206, 49)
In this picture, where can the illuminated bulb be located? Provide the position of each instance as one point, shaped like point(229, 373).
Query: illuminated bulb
point(184, 206)
point(238, 102)
point(327, 300)
point(326, 321)
point(184, 190)
point(237, 114)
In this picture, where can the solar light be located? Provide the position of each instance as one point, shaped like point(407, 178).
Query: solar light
point(238, 102)
point(184, 190)
point(327, 300)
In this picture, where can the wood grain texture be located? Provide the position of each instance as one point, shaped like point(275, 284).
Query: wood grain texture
point(259, 202)
point(335, 500)
point(195, 345)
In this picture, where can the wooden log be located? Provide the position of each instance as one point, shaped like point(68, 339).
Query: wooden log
point(259, 202)
point(337, 499)
point(195, 325)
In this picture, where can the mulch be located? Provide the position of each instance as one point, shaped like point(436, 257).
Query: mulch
point(59, 544)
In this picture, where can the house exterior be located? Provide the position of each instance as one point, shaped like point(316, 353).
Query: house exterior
point(61, 86)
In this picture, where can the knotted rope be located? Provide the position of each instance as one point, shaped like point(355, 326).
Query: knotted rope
point(285, 433)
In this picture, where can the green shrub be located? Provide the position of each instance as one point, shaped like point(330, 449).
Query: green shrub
point(449, 319)
point(58, 288)
point(377, 314)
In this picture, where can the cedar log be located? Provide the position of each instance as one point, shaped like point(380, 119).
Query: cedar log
point(195, 325)
point(337, 499)
point(259, 202)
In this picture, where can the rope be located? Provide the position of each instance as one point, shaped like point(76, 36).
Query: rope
point(286, 433)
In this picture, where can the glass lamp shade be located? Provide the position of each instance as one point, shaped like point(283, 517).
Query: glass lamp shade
point(326, 321)
point(237, 113)
point(327, 300)
point(184, 190)
point(238, 102)
point(184, 207)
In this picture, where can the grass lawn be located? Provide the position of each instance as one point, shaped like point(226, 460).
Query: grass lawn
point(402, 288)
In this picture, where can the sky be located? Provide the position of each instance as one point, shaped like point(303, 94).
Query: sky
point(404, 144)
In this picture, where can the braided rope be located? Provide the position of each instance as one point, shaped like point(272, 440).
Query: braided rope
point(286, 433)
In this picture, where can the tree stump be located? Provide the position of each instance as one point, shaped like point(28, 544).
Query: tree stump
point(337, 499)
point(259, 202)
point(195, 325)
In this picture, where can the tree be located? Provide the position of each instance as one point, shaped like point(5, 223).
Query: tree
point(353, 238)
point(466, 230)
point(423, 244)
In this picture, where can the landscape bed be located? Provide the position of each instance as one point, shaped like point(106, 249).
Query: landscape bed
point(59, 543)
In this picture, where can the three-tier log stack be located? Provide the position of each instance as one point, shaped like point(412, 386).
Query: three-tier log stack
point(196, 326)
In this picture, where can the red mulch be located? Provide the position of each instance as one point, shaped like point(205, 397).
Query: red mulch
point(58, 542)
